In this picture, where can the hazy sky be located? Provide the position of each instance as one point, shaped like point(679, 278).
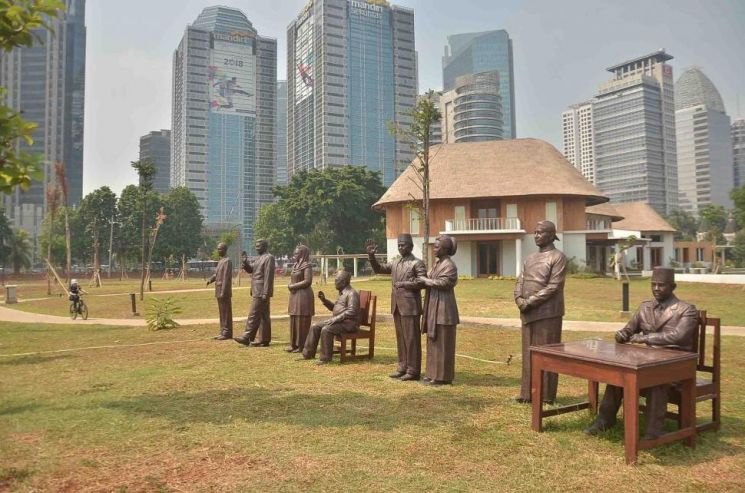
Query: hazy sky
point(561, 51)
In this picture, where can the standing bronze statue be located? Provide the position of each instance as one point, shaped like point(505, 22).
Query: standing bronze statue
point(441, 313)
point(539, 294)
point(665, 322)
point(223, 279)
point(346, 318)
point(406, 304)
point(261, 269)
point(301, 306)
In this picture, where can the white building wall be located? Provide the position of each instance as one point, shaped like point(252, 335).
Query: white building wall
point(509, 258)
point(574, 245)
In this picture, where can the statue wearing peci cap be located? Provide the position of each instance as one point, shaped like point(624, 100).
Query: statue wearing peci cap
point(664, 322)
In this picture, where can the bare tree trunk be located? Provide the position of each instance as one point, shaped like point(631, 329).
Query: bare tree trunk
point(142, 268)
point(68, 247)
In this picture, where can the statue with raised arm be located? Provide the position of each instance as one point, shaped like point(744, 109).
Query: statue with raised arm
point(346, 318)
point(539, 294)
point(261, 269)
point(223, 279)
point(406, 304)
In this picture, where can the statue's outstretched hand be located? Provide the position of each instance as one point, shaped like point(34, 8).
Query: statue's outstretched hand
point(371, 247)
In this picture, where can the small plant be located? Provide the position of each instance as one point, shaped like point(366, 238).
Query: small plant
point(465, 278)
point(159, 315)
point(502, 278)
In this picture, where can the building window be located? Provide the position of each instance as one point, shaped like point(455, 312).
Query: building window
point(511, 210)
point(414, 217)
point(699, 254)
point(460, 218)
point(551, 212)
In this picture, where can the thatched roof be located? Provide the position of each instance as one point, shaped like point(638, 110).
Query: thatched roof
point(604, 210)
point(639, 216)
point(498, 168)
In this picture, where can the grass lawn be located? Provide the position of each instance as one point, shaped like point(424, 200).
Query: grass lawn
point(586, 299)
point(184, 413)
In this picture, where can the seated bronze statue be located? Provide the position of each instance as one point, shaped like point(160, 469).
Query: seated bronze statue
point(664, 322)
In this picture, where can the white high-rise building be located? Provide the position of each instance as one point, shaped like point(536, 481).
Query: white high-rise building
point(472, 109)
point(351, 71)
point(738, 152)
point(634, 133)
point(579, 141)
point(704, 143)
point(223, 119)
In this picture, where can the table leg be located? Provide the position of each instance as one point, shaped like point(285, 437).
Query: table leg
point(536, 390)
point(688, 409)
point(592, 392)
point(631, 416)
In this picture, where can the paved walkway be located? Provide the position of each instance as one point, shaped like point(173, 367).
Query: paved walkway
point(10, 315)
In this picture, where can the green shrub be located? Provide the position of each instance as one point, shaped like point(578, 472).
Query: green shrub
point(159, 315)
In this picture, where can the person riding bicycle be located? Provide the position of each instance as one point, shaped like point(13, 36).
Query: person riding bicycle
point(76, 291)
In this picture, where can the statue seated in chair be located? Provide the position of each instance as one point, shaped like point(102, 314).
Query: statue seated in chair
point(664, 322)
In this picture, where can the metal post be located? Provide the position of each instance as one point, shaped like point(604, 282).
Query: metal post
point(625, 302)
point(149, 284)
point(133, 299)
point(354, 260)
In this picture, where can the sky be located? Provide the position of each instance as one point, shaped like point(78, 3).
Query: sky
point(561, 51)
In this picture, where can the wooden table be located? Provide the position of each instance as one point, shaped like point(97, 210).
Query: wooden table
point(630, 366)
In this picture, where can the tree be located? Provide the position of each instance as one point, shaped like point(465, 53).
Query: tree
point(738, 198)
point(20, 22)
point(181, 234)
point(685, 223)
point(96, 210)
point(59, 170)
point(273, 224)
point(327, 210)
point(146, 172)
point(6, 234)
point(713, 220)
point(738, 252)
point(423, 116)
point(20, 251)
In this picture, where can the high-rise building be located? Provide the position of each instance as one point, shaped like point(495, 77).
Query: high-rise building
point(472, 109)
point(579, 140)
point(634, 132)
point(473, 53)
point(156, 147)
point(738, 152)
point(223, 119)
point(351, 71)
point(704, 143)
point(47, 83)
point(280, 168)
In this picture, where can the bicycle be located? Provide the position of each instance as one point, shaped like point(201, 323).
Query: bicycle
point(78, 308)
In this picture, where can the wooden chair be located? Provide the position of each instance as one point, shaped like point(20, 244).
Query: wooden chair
point(367, 319)
point(707, 387)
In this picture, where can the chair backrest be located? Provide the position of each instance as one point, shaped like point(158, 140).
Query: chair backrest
point(365, 297)
point(708, 363)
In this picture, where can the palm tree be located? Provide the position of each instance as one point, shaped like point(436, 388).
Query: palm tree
point(20, 251)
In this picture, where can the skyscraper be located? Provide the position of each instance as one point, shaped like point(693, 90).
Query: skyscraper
point(224, 105)
point(634, 133)
point(351, 69)
point(738, 152)
point(472, 53)
point(47, 83)
point(704, 143)
point(280, 167)
point(156, 147)
point(579, 138)
point(472, 109)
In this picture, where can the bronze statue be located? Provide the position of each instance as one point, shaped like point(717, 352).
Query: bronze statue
point(406, 304)
point(223, 279)
point(665, 322)
point(346, 318)
point(539, 294)
point(441, 313)
point(301, 306)
point(261, 269)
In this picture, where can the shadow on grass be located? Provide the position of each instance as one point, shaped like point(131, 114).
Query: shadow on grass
point(335, 410)
point(34, 359)
point(8, 410)
point(485, 379)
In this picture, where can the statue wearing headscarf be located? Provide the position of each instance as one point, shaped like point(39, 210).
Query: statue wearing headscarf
point(300, 306)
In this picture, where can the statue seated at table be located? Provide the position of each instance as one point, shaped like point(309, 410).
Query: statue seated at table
point(665, 322)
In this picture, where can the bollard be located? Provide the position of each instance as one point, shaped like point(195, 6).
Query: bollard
point(132, 298)
point(625, 297)
point(149, 285)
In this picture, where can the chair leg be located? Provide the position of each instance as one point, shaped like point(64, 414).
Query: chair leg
point(343, 349)
point(371, 348)
point(354, 347)
point(715, 413)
